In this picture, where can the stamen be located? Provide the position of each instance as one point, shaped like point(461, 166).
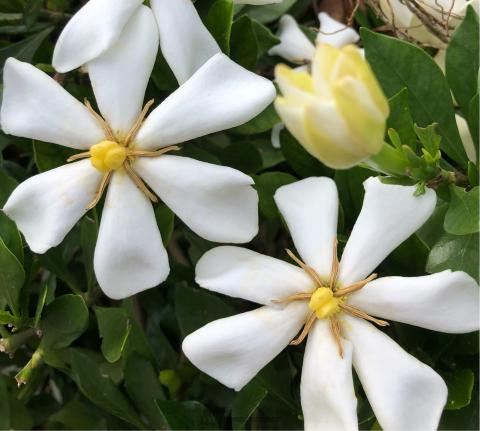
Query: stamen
point(79, 156)
point(105, 126)
point(305, 331)
point(101, 189)
point(291, 298)
point(358, 313)
point(136, 127)
point(355, 286)
point(335, 328)
point(335, 266)
point(161, 152)
point(310, 271)
point(139, 182)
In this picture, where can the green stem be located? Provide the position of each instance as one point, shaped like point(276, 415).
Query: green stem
point(26, 372)
point(12, 343)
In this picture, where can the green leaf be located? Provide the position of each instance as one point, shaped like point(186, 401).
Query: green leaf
point(266, 185)
point(458, 253)
point(76, 416)
point(25, 49)
point(195, 308)
point(473, 122)
point(249, 41)
point(188, 415)
point(7, 185)
point(460, 386)
point(12, 277)
point(88, 237)
point(65, 319)
point(246, 402)
point(166, 222)
point(303, 163)
point(399, 64)
point(400, 118)
point(100, 390)
point(114, 326)
point(4, 405)
point(462, 60)
point(40, 305)
point(219, 22)
point(11, 236)
point(49, 156)
point(269, 13)
point(143, 387)
point(261, 123)
point(462, 217)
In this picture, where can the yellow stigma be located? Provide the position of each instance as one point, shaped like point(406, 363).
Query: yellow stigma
point(108, 156)
point(324, 303)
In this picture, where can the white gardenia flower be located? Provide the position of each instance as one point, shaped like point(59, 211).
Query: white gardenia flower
point(334, 303)
point(295, 47)
point(124, 150)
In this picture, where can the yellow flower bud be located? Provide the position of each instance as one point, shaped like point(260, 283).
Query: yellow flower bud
point(107, 156)
point(338, 112)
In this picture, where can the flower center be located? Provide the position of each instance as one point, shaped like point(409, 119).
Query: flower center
point(327, 300)
point(108, 156)
point(323, 303)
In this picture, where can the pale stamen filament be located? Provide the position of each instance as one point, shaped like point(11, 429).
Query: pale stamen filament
point(306, 329)
point(355, 286)
point(105, 126)
point(75, 157)
point(335, 266)
point(296, 297)
point(136, 127)
point(139, 182)
point(358, 313)
point(309, 270)
point(101, 189)
point(336, 332)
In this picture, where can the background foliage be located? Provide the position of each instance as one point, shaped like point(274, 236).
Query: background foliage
point(118, 365)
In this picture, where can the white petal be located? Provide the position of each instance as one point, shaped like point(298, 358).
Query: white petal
point(233, 350)
point(390, 214)
point(91, 31)
point(120, 76)
point(328, 396)
point(219, 96)
point(216, 202)
point(467, 139)
point(404, 393)
point(275, 137)
point(186, 43)
point(446, 302)
point(310, 209)
point(335, 33)
point(129, 256)
point(35, 106)
point(243, 273)
point(294, 46)
point(47, 206)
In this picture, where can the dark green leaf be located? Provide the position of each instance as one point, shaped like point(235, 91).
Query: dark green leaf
point(219, 22)
point(460, 385)
point(114, 326)
point(11, 236)
point(50, 156)
point(266, 185)
point(166, 222)
point(269, 13)
point(462, 60)
point(462, 217)
point(88, 235)
point(65, 320)
point(12, 277)
point(144, 389)
point(100, 390)
point(197, 307)
point(400, 118)
point(4, 405)
point(246, 402)
point(7, 185)
point(76, 416)
point(473, 121)
point(261, 123)
point(399, 64)
point(188, 415)
point(458, 253)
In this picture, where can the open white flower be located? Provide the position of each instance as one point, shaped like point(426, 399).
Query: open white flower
point(125, 152)
point(295, 47)
point(334, 303)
